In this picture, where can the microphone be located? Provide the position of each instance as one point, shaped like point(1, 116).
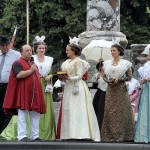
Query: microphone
point(32, 60)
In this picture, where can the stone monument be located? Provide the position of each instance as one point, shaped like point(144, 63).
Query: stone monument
point(103, 22)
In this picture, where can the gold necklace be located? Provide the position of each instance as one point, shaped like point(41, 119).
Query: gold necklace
point(115, 64)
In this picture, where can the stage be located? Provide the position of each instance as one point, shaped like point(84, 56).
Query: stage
point(59, 145)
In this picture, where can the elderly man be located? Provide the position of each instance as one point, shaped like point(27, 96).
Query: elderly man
point(7, 58)
point(26, 96)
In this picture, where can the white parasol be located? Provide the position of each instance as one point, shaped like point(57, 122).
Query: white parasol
point(98, 49)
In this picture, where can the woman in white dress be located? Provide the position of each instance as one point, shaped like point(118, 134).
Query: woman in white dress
point(78, 116)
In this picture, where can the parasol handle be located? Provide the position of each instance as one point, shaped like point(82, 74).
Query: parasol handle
point(101, 53)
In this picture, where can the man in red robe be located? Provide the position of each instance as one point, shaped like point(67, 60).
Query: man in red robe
point(24, 95)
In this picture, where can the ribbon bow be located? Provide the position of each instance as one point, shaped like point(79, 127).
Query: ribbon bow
point(40, 39)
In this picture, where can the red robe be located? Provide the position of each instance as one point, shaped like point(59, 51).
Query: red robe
point(26, 93)
point(85, 76)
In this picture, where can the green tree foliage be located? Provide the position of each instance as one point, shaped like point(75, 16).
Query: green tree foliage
point(135, 20)
point(58, 19)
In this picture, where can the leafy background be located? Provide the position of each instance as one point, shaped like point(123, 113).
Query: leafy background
point(58, 19)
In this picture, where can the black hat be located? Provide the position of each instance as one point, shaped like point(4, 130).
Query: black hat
point(4, 40)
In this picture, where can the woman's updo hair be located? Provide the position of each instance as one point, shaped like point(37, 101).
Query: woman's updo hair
point(35, 46)
point(75, 48)
point(120, 49)
point(99, 65)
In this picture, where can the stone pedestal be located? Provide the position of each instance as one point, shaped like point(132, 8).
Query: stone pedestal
point(86, 37)
point(138, 59)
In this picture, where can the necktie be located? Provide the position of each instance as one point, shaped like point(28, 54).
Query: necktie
point(2, 63)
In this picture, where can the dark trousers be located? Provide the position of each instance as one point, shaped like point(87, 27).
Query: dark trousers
point(4, 119)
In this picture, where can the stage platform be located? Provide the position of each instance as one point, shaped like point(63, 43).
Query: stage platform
point(72, 146)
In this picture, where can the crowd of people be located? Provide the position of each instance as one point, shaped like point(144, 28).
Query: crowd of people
point(119, 111)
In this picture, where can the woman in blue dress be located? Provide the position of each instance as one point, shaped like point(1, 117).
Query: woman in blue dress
point(142, 132)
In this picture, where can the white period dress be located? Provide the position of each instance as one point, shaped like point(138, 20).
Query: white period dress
point(44, 67)
point(78, 116)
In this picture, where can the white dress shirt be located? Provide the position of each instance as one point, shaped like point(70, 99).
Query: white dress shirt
point(10, 58)
point(102, 85)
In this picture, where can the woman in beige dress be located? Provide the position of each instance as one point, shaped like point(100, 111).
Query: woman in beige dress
point(78, 117)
